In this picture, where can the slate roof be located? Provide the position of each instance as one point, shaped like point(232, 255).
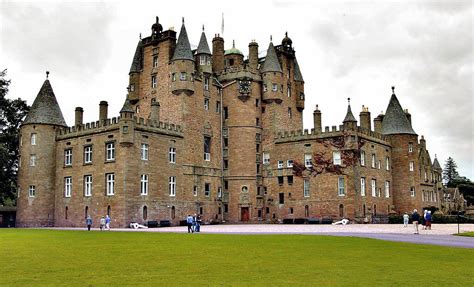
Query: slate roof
point(137, 63)
point(297, 74)
point(183, 48)
point(127, 107)
point(349, 116)
point(395, 121)
point(271, 63)
point(436, 164)
point(45, 108)
point(203, 47)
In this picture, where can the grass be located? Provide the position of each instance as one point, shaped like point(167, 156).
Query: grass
point(468, 234)
point(81, 258)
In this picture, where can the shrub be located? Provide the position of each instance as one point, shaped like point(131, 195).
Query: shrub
point(395, 219)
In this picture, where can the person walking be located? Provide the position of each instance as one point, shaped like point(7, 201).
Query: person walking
point(423, 219)
point(102, 223)
point(194, 222)
point(189, 222)
point(107, 222)
point(415, 218)
point(428, 220)
point(198, 223)
point(89, 222)
point(406, 218)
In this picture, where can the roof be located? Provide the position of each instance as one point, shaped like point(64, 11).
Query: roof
point(233, 50)
point(137, 64)
point(297, 74)
point(203, 47)
point(183, 48)
point(436, 164)
point(349, 116)
point(271, 63)
point(45, 108)
point(127, 107)
point(395, 121)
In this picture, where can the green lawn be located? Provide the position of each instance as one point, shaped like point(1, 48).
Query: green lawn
point(469, 234)
point(81, 258)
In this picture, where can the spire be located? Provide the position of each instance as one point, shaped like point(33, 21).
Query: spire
point(349, 116)
point(297, 73)
point(137, 63)
point(127, 107)
point(203, 47)
point(45, 108)
point(436, 163)
point(183, 48)
point(395, 121)
point(271, 63)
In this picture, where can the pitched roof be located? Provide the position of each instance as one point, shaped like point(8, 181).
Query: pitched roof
point(349, 116)
point(183, 48)
point(436, 164)
point(137, 63)
point(127, 107)
point(203, 47)
point(395, 121)
point(45, 108)
point(271, 63)
point(297, 74)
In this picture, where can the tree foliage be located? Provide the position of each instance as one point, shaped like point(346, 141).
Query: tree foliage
point(12, 113)
point(450, 172)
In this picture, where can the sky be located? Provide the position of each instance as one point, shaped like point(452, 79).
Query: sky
point(356, 49)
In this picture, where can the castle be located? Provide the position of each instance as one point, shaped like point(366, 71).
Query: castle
point(219, 135)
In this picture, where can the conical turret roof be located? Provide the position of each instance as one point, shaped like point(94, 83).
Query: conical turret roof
point(349, 116)
point(183, 48)
point(203, 47)
point(436, 164)
point(127, 107)
point(137, 62)
point(271, 63)
point(45, 108)
point(297, 74)
point(395, 121)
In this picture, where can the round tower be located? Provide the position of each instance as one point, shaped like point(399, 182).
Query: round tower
point(182, 66)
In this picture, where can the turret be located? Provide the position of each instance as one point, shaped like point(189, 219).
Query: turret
point(182, 66)
point(127, 124)
point(78, 116)
point(217, 54)
point(203, 55)
point(350, 123)
point(134, 74)
point(299, 86)
point(317, 120)
point(364, 118)
point(37, 173)
point(272, 76)
point(253, 55)
point(233, 57)
point(378, 123)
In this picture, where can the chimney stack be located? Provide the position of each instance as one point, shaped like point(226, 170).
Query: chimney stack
point(253, 55)
point(317, 120)
point(378, 124)
point(155, 111)
point(79, 112)
point(217, 54)
point(364, 117)
point(103, 106)
point(408, 115)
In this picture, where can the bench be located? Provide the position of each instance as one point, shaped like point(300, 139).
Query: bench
point(165, 223)
point(152, 223)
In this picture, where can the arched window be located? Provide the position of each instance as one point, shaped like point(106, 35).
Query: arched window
point(145, 212)
point(108, 211)
point(341, 210)
point(65, 213)
point(364, 210)
point(375, 209)
point(173, 212)
point(86, 211)
point(306, 211)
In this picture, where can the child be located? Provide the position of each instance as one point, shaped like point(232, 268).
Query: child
point(406, 218)
point(102, 223)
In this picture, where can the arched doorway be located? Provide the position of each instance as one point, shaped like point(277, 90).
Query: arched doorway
point(173, 212)
point(364, 210)
point(341, 210)
point(86, 211)
point(306, 211)
point(145, 212)
point(375, 209)
point(66, 212)
point(109, 210)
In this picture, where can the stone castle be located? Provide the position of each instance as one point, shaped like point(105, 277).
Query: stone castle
point(220, 135)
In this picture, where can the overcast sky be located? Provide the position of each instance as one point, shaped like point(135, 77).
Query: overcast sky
point(355, 49)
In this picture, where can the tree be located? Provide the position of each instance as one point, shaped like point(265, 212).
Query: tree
point(450, 172)
point(12, 113)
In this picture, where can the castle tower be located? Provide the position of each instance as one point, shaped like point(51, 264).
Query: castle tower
point(182, 65)
point(36, 180)
point(405, 162)
point(233, 57)
point(203, 55)
point(127, 124)
point(350, 123)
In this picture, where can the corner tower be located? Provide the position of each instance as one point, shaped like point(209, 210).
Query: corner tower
point(182, 65)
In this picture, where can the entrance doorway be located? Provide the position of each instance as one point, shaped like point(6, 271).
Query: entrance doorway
point(244, 214)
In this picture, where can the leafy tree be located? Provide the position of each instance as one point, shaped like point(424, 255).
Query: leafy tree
point(12, 113)
point(450, 172)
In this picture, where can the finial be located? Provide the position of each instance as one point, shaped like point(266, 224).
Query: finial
point(435, 156)
point(271, 38)
point(317, 107)
point(183, 20)
point(157, 19)
point(286, 34)
point(233, 43)
point(393, 90)
point(47, 74)
point(349, 101)
point(140, 36)
point(203, 27)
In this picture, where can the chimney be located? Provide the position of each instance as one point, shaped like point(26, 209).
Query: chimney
point(217, 54)
point(317, 120)
point(253, 55)
point(103, 110)
point(408, 115)
point(78, 116)
point(378, 124)
point(364, 117)
point(423, 142)
point(155, 111)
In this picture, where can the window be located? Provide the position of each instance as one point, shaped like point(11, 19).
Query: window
point(173, 77)
point(265, 87)
point(226, 113)
point(206, 104)
point(336, 158)
point(206, 83)
point(153, 81)
point(110, 151)
point(182, 76)
point(137, 110)
point(362, 186)
point(387, 163)
point(362, 158)
point(302, 96)
point(280, 180)
point(374, 188)
point(257, 102)
point(426, 176)
point(172, 155)
point(195, 190)
point(373, 161)
point(289, 91)
point(306, 187)
point(219, 192)
point(207, 148)
point(412, 166)
point(340, 187)
point(410, 147)
point(266, 158)
point(280, 164)
point(33, 139)
point(33, 160)
point(68, 157)
point(144, 151)
point(144, 184)
point(379, 164)
point(202, 60)
point(88, 185)
point(281, 198)
point(110, 183)
point(308, 160)
point(32, 191)
point(218, 107)
point(145, 212)
point(290, 179)
point(274, 87)
point(155, 61)
point(88, 154)
point(172, 185)
point(67, 186)
point(207, 189)
point(289, 113)
point(289, 163)
point(257, 122)
point(387, 188)
point(290, 210)
point(132, 87)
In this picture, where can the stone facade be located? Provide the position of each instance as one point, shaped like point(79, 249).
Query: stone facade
point(213, 133)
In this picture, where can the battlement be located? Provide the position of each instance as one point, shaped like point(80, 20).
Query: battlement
point(235, 72)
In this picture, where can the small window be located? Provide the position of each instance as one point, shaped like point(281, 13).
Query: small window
point(173, 212)
point(226, 113)
point(202, 60)
point(290, 179)
point(289, 113)
point(218, 107)
point(257, 102)
point(88, 185)
point(266, 158)
point(88, 154)
point(374, 188)
point(280, 164)
point(410, 147)
point(33, 139)
point(281, 198)
point(110, 184)
point(265, 87)
point(280, 180)
point(132, 87)
point(308, 160)
point(219, 192)
point(302, 96)
point(373, 161)
point(387, 163)
point(289, 91)
point(145, 212)
point(362, 186)
point(412, 166)
point(379, 164)
point(289, 163)
point(207, 189)
point(207, 148)
point(274, 87)
point(172, 155)
point(173, 77)
point(306, 187)
point(195, 190)
point(144, 151)
point(257, 122)
point(68, 157)
point(206, 104)
point(33, 160)
point(290, 210)
point(153, 81)
point(67, 186)
point(362, 158)
point(172, 185)
point(32, 191)
point(336, 158)
point(387, 188)
point(110, 151)
point(155, 61)
point(206, 83)
point(144, 184)
point(182, 76)
point(340, 187)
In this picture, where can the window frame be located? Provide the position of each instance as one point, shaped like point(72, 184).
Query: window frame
point(336, 157)
point(373, 185)
point(362, 186)
point(341, 187)
point(87, 154)
point(32, 191)
point(33, 138)
point(306, 187)
point(280, 164)
point(172, 186)
point(154, 82)
point(308, 160)
point(144, 179)
point(172, 155)
point(68, 157)
point(110, 184)
point(362, 158)
point(110, 151)
point(289, 163)
point(67, 186)
point(88, 185)
point(387, 189)
point(144, 148)
point(266, 158)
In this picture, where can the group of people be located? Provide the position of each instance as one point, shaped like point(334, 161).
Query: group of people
point(104, 222)
point(194, 223)
point(416, 219)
